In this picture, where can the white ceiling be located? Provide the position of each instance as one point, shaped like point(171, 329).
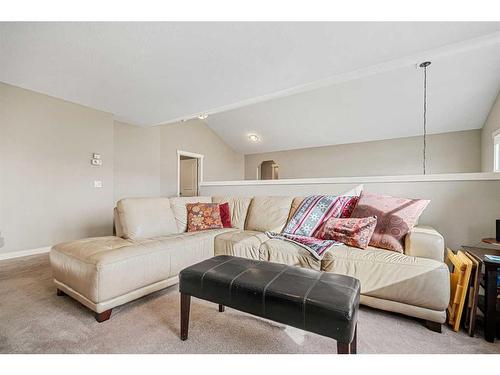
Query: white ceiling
point(151, 73)
point(462, 87)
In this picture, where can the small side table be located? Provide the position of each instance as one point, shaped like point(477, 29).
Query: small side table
point(490, 288)
point(491, 241)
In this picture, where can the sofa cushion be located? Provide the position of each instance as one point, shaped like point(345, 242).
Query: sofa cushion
point(178, 205)
point(289, 253)
point(104, 268)
point(268, 213)
point(145, 217)
point(393, 276)
point(240, 243)
point(238, 208)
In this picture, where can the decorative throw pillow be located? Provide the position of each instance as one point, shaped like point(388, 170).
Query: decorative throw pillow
point(225, 216)
point(315, 209)
point(351, 231)
point(356, 191)
point(395, 218)
point(203, 216)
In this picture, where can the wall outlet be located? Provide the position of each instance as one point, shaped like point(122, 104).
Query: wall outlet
point(98, 184)
point(96, 161)
point(96, 156)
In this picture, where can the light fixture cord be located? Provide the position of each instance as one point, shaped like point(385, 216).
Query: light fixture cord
point(425, 116)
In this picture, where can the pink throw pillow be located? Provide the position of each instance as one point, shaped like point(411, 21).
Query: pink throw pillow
point(353, 232)
point(395, 218)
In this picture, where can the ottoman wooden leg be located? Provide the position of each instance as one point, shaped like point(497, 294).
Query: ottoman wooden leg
point(102, 317)
point(59, 292)
point(350, 348)
point(221, 308)
point(185, 305)
point(354, 343)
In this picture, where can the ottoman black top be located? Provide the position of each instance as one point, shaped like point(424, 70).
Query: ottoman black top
point(319, 302)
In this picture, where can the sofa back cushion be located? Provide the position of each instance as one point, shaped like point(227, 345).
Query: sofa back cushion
point(180, 211)
point(268, 213)
point(145, 217)
point(238, 208)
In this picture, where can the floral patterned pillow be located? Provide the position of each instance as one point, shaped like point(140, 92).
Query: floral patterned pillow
point(203, 216)
point(351, 231)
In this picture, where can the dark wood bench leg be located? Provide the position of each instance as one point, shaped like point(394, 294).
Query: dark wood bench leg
point(185, 305)
point(348, 348)
point(59, 292)
point(433, 326)
point(221, 308)
point(102, 317)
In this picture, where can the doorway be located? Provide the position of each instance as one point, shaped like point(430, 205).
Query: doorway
point(268, 170)
point(189, 173)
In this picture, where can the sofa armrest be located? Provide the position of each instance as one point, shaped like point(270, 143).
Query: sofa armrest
point(425, 242)
point(117, 226)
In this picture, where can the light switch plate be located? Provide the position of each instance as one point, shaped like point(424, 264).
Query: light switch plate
point(98, 184)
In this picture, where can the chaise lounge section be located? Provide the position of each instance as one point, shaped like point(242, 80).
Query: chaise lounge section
point(152, 246)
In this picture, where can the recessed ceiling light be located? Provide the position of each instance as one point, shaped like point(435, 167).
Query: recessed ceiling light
point(253, 138)
point(203, 116)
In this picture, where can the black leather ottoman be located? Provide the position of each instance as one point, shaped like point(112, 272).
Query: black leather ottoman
point(319, 302)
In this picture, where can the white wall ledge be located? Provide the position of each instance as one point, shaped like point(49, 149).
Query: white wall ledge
point(362, 180)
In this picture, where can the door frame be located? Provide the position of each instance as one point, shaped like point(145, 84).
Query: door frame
point(200, 168)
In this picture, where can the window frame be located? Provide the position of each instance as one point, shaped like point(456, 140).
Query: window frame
point(496, 151)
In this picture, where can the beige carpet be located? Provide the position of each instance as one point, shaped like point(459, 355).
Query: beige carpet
point(34, 320)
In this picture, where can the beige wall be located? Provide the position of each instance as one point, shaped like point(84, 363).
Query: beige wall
point(136, 161)
point(492, 124)
point(463, 211)
point(46, 179)
point(446, 153)
point(146, 157)
point(220, 162)
point(47, 194)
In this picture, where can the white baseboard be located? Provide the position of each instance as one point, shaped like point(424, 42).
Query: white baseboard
point(24, 253)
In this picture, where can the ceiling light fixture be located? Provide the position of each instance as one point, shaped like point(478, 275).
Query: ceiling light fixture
point(202, 116)
point(253, 138)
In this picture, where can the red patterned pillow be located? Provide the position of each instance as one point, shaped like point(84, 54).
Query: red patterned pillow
point(395, 218)
point(225, 216)
point(203, 216)
point(352, 232)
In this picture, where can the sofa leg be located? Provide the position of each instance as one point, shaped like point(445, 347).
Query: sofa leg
point(433, 326)
point(221, 308)
point(59, 292)
point(102, 317)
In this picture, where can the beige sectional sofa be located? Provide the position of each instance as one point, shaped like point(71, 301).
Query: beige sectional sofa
point(151, 246)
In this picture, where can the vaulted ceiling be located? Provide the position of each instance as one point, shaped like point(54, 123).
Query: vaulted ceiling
point(294, 84)
point(461, 89)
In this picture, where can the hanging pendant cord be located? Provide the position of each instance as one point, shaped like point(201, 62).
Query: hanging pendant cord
point(425, 117)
